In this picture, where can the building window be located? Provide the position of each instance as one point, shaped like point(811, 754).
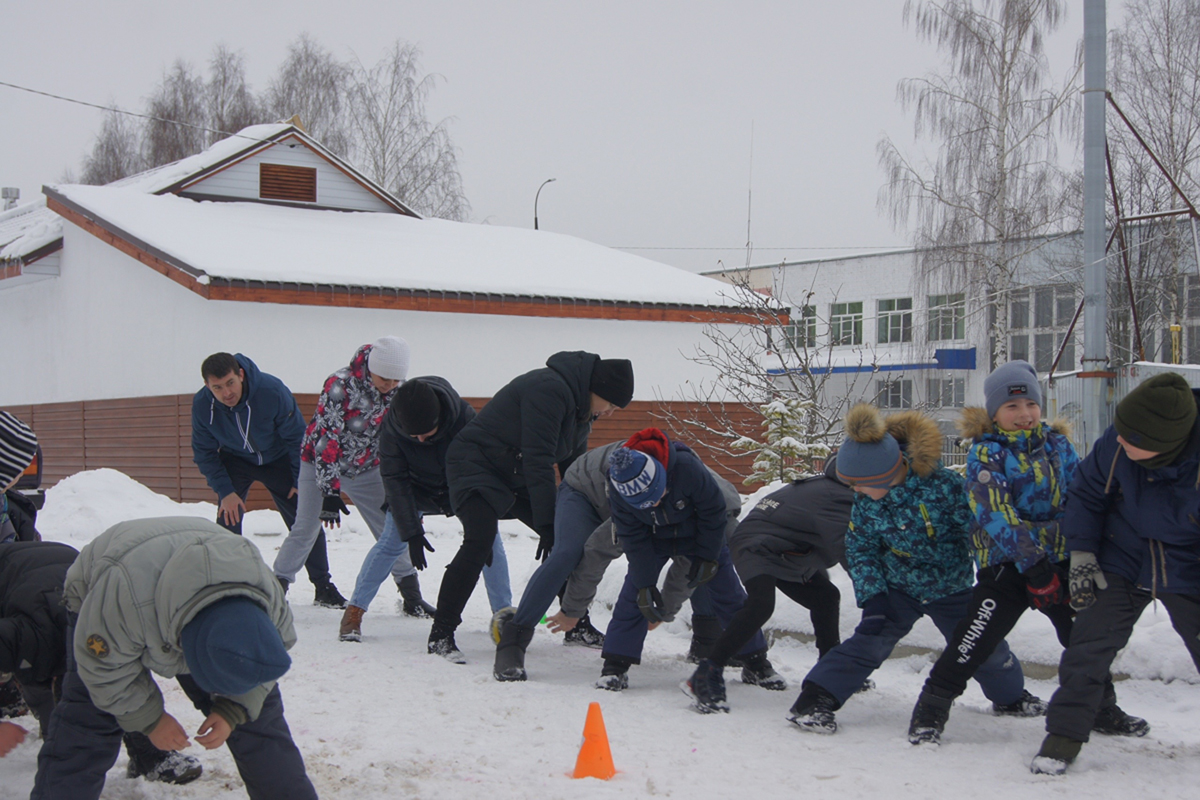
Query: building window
point(947, 317)
point(845, 323)
point(893, 393)
point(803, 333)
point(894, 320)
point(947, 392)
point(1018, 347)
point(1044, 323)
point(1193, 344)
point(1018, 308)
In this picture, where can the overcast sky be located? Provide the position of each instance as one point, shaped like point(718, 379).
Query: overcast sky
point(642, 111)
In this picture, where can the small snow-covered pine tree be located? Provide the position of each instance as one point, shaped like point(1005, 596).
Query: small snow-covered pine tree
point(792, 445)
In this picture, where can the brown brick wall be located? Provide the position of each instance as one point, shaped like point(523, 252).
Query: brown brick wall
point(149, 439)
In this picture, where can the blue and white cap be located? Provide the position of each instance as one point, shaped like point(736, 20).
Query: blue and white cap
point(640, 479)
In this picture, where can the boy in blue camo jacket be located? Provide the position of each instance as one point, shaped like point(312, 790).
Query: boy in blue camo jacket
point(907, 554)
point(1018, 470)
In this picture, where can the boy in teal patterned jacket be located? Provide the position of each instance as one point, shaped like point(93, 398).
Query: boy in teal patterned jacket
point(908, 556)
point(1018, 470)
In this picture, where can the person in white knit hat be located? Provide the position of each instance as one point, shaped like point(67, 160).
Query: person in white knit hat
point(340, 454)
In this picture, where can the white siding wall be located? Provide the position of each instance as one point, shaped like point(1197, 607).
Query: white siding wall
point(334, 188)
point(111, 327)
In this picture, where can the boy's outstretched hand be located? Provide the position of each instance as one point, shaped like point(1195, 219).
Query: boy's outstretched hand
point(11, 735)
point(213, 732)
point(168, 734)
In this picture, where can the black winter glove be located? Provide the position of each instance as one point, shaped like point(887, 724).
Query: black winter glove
point(416, 550)
point(701, 572)
point(332, 508)
point(1043, 586)
point(650, 603)
point(545, 542)
point(1084, 579)
point(875, 614)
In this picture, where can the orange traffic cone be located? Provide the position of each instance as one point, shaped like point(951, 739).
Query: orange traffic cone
point(595, 757)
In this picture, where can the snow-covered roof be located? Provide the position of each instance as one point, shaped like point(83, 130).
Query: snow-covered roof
point(27, 230)
point(246, 241)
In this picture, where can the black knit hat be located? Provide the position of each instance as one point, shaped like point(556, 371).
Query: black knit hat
point(18, 446)
point(612, 380)
point(1158, 415)
point(417, 406)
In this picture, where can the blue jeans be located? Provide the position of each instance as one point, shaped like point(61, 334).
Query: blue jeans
point(725, 597)
point(575, 519)
point(378, 564)
point(843, 669)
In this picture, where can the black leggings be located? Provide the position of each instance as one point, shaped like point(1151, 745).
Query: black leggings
point(479, 521)
point(817, 594)
point(997, 602)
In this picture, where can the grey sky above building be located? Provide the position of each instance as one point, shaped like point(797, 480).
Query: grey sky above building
point(643, 112)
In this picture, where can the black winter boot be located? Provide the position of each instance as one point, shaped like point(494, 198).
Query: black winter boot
point(510, 652)
point(166, 766)
point(441, 643)
point(1112, 721)
point(757, 671)
point(584, 634)
point(614, 677)
point(327, 596)
point(1056, 755)
point(705, 632)
point(410, 594)
point(706, 687)
point(929, 719)
point(814, 710)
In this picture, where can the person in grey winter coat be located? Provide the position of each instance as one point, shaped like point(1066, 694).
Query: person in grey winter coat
point(182, 598)
point(582, 530)
point(787, 542)
point(502, 465)
point(1131, 529)
point(33, 635)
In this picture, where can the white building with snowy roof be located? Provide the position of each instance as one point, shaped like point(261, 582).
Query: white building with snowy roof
point(268, 244)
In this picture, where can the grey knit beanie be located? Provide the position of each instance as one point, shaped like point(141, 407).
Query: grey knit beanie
point(1008, 381)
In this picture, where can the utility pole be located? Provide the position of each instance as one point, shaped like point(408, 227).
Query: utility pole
point(1095, 371)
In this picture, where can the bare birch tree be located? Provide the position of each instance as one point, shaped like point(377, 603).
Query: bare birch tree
point(995, 185)
point(231, 104)
point(313, 84)
point(116, 153)
point(1154, 76)
point(180, 116)
point(394, 141)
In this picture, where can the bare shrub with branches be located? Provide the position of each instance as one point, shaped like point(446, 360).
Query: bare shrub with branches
point(775, 396)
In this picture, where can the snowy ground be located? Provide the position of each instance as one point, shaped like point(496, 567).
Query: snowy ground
point(383, 719)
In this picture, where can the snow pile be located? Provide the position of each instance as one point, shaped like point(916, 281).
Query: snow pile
point(382, 719)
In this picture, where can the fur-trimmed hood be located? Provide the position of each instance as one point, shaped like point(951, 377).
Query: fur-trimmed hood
point(975, 423)
point(919, 438)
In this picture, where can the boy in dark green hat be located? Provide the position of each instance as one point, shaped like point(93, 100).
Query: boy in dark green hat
point(1131, 532)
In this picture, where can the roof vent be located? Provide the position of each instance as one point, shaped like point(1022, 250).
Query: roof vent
point(284, 182)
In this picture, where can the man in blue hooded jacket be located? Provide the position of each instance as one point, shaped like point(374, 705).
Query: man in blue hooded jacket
point(247, 427)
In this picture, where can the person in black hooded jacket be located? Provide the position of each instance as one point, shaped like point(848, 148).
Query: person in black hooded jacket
point(422, 420)
point(502, 465)
point(33, 647)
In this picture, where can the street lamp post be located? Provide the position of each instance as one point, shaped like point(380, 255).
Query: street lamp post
point(535, 199)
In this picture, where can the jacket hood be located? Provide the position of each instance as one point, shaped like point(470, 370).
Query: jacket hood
point(975, 423)
point(252, 382)
point(358, 364)
point(919, 438)
point(451, 405)
point(575, 367)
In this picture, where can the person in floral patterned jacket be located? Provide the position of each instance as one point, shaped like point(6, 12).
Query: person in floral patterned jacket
point(907, 554)
point(340, 454)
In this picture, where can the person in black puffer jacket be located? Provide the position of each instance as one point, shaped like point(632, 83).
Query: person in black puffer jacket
point(502, 465)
